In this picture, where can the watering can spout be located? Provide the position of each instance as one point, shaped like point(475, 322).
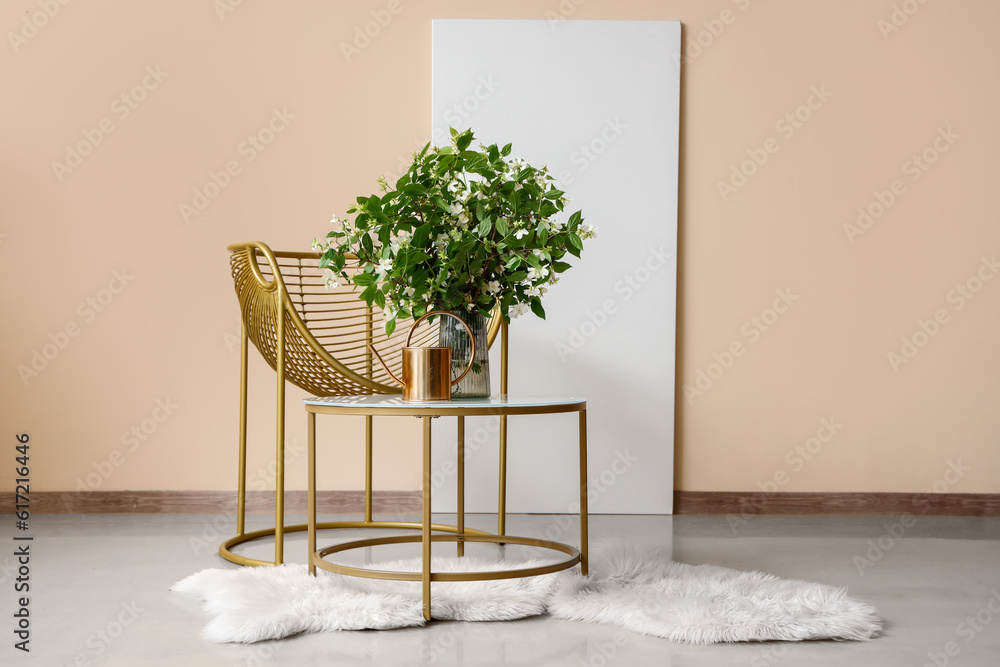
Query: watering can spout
point(385, 365)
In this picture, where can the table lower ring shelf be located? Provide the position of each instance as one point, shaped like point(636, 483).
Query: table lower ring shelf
point(486, 575)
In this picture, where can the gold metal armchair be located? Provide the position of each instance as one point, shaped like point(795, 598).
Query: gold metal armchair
point(316, 339)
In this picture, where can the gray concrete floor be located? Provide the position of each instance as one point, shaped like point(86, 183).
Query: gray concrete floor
point(99, 595)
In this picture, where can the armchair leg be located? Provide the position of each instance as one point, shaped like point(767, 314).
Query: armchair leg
point(368, 469)
point(241, 484)
point(279, 485)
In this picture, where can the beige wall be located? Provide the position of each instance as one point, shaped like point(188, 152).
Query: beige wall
point(169, 332)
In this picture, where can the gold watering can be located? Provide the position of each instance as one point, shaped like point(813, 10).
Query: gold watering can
point(427, 370)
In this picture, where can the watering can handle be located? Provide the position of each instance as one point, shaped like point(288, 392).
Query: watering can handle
point(472, 357)
point(472, 338)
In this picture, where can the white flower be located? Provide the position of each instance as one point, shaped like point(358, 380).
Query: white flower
point(492, 287)
point(390, 312)
point(409, 292)
point(335, 220)
point(537, 274)
point(463, 219)
point(384, 265)
point(521, 233)
point(518, 309)
point(517, 186)
point(588, 231)
point(533, 291)
point(456, 209)
point(317, 245)
point(330, 279)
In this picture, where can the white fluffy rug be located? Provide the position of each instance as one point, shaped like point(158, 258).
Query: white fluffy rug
point(635, 587)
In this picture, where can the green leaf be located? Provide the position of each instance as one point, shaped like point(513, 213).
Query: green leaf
point(464, 140)
point(442, 204)
point(369, 294)
point(484, 228)
point(421, 235)
point(554, 194)
point(365, 279)
point(514, 262)
point(505, 151)
point(414, 190)
point(390, 326)
point(414, 256)
point(560, 267)
point(502, 227)
point(575, 241)
point(573, 250)
point(380, 299)
point(575, 220)
point(536, 307)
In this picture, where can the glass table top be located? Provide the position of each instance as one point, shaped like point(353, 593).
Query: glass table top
point(396, 401)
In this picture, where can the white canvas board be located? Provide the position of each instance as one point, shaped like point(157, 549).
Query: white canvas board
point(598, 102)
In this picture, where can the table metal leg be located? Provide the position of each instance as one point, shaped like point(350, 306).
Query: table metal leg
point(502, 503)
point(311, 481)
point(583, 492)
point(427, 520)
point(461, 486)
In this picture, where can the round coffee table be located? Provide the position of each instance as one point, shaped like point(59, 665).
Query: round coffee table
point(385, 405)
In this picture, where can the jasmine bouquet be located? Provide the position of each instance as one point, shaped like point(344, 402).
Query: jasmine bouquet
point(461, 230)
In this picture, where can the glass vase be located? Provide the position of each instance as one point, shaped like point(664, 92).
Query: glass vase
point(452, 334)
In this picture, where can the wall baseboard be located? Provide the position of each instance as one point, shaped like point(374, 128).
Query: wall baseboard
point(208, 502)
point(744, 503)
point(750, 503)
